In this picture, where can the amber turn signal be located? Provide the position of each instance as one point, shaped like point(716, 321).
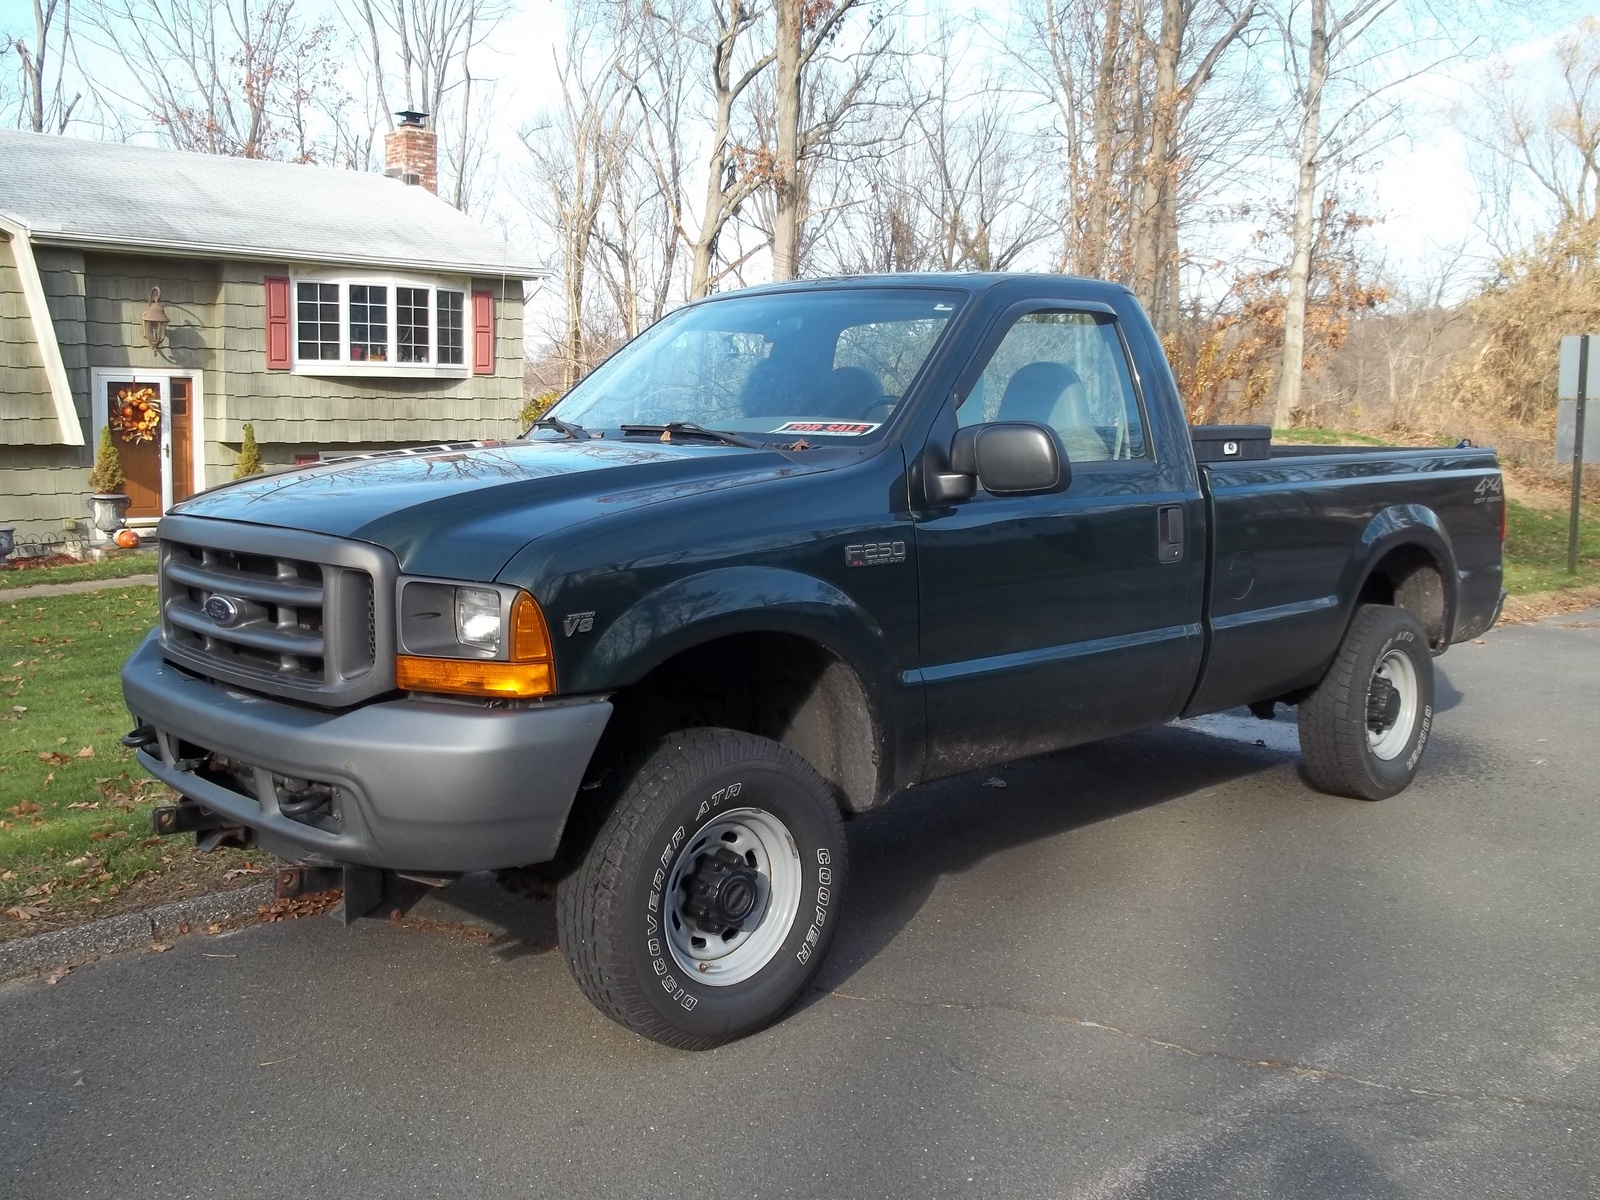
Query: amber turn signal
point(467, 677)
point(530, 640)
point(530, 672)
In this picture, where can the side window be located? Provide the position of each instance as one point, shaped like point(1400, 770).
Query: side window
point(1066, 370)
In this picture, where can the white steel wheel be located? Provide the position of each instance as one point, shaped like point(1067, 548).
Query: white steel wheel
point(1393, 698)
point(735, 889)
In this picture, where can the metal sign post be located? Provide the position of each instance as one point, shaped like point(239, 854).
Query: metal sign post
point(1574, 379)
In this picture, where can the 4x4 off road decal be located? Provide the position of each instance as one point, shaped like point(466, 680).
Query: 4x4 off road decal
point(831, 428)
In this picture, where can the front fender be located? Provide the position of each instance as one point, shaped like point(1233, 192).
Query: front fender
point(746, 599)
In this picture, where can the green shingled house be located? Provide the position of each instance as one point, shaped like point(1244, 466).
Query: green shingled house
point(336, 311)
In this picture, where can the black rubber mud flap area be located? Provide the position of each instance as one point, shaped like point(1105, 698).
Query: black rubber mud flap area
point(1364, 728)
point(706, 903)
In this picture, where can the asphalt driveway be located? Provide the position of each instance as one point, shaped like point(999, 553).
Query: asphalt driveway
point(1158, 967)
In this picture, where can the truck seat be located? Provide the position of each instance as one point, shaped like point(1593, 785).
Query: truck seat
point(1052, 393)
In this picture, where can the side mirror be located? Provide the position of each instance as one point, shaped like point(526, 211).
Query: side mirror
point(1012, 458)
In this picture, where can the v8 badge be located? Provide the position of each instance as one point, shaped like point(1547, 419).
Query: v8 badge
point(578, 623)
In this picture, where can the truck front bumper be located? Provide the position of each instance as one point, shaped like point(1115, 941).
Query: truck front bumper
point(418, 785)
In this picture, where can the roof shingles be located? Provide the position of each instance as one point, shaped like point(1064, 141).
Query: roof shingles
point(70, 191)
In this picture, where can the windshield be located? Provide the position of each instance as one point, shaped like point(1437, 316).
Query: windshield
point(829, 364)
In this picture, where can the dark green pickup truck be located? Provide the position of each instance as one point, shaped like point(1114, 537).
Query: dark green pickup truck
point(786, 555)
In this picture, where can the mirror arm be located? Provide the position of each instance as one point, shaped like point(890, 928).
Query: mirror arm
point(943, 486)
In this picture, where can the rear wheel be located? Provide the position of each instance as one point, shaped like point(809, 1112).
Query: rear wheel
point(1363, 731)
point(708, 899)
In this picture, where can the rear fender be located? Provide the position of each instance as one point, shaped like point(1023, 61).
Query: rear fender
point(1395, 528)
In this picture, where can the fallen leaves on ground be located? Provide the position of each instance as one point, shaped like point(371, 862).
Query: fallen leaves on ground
point(299, 906)
point(58, 974)
point(1519, 609)
point(160, 947)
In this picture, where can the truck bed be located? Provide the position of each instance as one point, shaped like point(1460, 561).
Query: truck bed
point(1291, 538)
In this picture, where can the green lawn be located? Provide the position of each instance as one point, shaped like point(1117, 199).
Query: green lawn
point(1536, 548)
point(74, 809)
point(141, 562)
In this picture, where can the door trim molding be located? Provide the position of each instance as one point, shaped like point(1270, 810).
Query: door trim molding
point(100, 376)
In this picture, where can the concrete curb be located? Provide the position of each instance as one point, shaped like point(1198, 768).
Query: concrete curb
point(67, 589)
point(126, 931)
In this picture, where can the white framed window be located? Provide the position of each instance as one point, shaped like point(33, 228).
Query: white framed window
point(379, 325)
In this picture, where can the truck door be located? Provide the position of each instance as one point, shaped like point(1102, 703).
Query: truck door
point(1052, 620)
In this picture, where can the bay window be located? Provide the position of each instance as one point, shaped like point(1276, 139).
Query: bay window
point(379, 326)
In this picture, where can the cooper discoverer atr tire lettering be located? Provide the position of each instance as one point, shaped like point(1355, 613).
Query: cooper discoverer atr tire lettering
point(1363, 731)
point(707, 901)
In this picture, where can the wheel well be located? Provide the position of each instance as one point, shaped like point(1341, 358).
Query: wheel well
point(1409, 577)
point(775, 685)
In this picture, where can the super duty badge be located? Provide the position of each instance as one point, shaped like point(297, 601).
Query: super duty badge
point(874, 554)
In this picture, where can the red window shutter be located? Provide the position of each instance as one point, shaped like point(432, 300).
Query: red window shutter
point(483, 333)
point(277, 323)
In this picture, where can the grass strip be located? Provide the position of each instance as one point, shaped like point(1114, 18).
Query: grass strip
point(75, 834)
point(139, 563)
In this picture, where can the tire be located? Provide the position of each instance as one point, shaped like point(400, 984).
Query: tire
point(1363, 731)
point(711, 821)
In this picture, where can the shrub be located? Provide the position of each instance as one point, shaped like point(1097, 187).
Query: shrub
point(249, 455)
point(107, 476)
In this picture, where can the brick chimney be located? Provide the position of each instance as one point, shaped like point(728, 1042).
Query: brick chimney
point(411, 151)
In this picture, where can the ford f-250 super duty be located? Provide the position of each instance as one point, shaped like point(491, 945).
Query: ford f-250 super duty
point(789, 553)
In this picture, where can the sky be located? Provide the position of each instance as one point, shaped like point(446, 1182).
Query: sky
point(1418, 184)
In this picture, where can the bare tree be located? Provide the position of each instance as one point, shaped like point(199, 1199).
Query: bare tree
point(577, 151)
point(1188, 48)
point(45, 107)
point(237, 78)
point(1340, 52)
point(681, 57)
point(1538, 142)
point(1140, 130)
point(811, 110)
point(419, 56)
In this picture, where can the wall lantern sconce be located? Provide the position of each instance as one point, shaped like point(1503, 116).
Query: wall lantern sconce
point(155, 320)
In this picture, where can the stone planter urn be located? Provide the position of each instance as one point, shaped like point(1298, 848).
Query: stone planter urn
point(106, 510)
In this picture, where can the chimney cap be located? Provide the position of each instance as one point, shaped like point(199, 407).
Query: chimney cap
point(411, 119)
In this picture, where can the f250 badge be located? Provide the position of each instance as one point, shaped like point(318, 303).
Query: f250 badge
point(874, 554)
point(578, 623)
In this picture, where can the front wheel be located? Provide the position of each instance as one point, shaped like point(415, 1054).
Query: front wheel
point(709, 897)
point(1363, 731)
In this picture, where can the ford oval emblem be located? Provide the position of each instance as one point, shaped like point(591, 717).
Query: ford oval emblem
point(222, 610)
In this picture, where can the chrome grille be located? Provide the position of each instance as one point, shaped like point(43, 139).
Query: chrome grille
point(279, 602)
point(276, 610)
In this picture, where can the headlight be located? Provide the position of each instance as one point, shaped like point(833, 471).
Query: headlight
point(475, 641)
point(478, 618)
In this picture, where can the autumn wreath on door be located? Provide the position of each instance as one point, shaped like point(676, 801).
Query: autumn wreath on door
point(136, 413)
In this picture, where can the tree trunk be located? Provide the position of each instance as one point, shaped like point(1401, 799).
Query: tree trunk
point(1153, 182)
point(1294, 310)
point(1097, 259)
point(786, 167)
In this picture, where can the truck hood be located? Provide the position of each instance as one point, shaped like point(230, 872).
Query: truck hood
point(463, 514)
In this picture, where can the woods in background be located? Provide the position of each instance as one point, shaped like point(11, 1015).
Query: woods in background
point(1208, 153)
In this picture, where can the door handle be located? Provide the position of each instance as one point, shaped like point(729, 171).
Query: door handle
point(1169, 535)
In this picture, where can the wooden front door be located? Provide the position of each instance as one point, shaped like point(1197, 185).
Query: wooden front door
point(141, 460)
point(180, 416)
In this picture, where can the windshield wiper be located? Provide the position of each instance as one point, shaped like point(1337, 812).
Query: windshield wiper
point(690, 429)
point(576, 432)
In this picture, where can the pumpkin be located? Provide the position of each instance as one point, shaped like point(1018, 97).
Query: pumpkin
point(127, 539)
